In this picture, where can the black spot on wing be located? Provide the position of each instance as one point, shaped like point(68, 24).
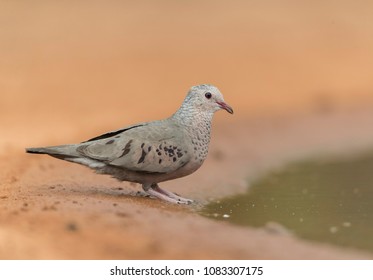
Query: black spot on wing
point(111, 134)
point(142, 158)
point(126, 149)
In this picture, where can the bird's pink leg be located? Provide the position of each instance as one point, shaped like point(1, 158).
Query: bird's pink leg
point(156, 191)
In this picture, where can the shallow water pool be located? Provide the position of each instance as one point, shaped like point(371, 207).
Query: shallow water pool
point(323, 200)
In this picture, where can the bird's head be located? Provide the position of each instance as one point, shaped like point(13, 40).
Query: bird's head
point(207, 98)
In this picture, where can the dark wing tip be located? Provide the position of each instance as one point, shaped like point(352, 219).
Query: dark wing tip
point(35, 151)
point(111, 134)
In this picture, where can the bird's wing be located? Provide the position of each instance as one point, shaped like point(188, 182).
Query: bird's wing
point(151, 147)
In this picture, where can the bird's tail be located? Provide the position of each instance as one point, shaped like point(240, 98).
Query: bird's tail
point(61, 152)
point(69, 153)
point(37, 150)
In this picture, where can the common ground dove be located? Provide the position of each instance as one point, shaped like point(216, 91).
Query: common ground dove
point(152, 152)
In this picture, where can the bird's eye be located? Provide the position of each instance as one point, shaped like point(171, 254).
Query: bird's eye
point(208, 95)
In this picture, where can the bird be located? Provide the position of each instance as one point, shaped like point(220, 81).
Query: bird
point(152, 152)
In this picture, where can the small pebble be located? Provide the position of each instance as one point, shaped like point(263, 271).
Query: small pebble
point(346, 224)
point(71, 227)
point(333, 229)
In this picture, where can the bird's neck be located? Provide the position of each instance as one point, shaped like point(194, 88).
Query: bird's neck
point(198, 125)
point(193, 118)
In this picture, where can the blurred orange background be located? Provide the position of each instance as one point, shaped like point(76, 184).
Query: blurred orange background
point(99, 65)
point(297, 73)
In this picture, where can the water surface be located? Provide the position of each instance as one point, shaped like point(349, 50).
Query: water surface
point(323, 200)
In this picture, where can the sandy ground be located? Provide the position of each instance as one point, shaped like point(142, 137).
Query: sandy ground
point(297, 75)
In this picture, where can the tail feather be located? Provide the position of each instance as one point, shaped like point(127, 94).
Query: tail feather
point(67, 152)
point(36, 150)
point(56, 151)
point(49, 152)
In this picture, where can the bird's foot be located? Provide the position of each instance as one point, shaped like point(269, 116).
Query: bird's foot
point(156, 191)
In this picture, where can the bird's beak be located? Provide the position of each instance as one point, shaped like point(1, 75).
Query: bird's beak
point(225, 106)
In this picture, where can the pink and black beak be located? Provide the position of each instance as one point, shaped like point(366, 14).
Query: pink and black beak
point(225, 106)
